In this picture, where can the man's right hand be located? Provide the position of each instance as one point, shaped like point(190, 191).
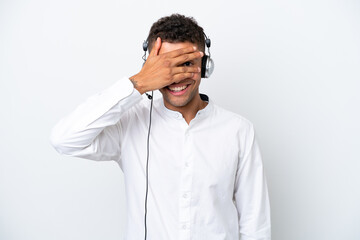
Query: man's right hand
point(161, 70)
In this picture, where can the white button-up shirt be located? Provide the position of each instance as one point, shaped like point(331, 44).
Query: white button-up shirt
point(206, 178)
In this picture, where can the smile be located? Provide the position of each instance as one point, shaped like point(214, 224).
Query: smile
point(178, 90)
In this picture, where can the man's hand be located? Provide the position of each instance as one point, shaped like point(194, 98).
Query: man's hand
point(164, 69)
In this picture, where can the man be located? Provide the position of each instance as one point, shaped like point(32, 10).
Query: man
point(206, 178)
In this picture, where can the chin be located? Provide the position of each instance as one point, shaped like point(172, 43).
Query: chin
point(176, 101)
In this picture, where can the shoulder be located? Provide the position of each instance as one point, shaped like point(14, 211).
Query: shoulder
point(232, 119)
point(236, 127)
point(136, 114)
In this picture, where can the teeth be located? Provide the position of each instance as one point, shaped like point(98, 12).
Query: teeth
point(177, 89)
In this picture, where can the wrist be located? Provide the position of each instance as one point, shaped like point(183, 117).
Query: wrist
point(136, 83)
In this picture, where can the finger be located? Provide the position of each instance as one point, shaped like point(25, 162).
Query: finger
point(156, 48)
point(181, 51)
point(186, 57)
point(185, 69)
point(181, 76)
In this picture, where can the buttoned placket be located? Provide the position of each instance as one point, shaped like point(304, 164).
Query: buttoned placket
point(185, 187)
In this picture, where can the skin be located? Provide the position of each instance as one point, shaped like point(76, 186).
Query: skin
point(171, 65)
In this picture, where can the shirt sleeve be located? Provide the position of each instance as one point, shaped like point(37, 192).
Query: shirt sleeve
point(251, 193)
point(92, 130)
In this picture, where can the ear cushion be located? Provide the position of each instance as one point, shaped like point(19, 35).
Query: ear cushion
point(203, 65)
point(145, 45)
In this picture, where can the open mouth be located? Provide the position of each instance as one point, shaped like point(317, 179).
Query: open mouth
point(178, 90)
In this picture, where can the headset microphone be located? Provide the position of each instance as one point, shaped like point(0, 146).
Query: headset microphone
point(145, 47)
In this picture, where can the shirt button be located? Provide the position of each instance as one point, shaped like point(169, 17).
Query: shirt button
point(184, 226)
point(187, 164)
point(185, 195)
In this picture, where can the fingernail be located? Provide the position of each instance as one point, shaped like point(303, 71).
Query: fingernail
point(194, 48)
point(199, 69)
point(201, 53)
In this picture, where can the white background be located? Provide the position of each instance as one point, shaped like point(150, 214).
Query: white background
point(290, 67)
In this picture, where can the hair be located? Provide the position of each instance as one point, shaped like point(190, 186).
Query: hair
point(177, 28)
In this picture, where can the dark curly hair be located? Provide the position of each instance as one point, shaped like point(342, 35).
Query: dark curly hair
point(177, 28)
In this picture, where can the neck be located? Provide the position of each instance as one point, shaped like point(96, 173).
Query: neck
point(189, 110)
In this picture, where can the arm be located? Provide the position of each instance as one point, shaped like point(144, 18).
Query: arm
point(91, 131)
point(251, 194)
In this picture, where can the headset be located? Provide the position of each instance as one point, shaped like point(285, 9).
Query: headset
point(207, 63)
point(207, 68)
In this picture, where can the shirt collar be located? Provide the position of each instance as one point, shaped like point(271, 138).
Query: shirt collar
point(177, 115)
